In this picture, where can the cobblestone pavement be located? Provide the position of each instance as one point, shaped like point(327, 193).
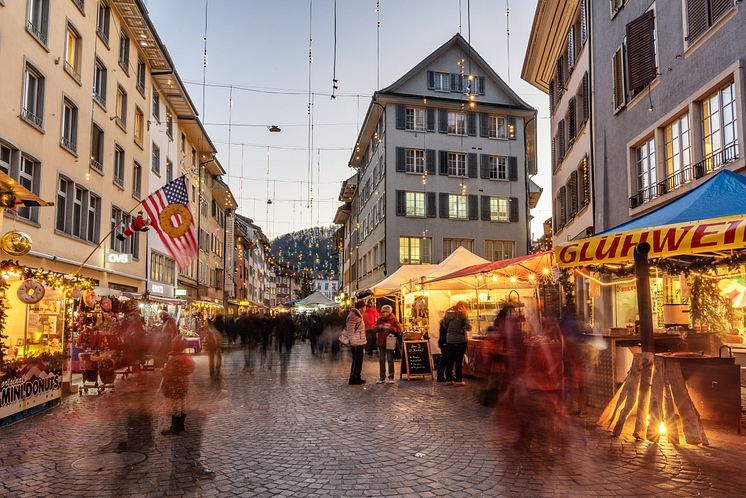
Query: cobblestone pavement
point(299, 430)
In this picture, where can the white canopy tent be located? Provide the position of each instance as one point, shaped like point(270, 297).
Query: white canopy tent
point(316, 300)
point(439, 302)
point(392, 284)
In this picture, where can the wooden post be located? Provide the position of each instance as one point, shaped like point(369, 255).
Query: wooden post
point(645, 310)
point(655, 410)
point(644, 303)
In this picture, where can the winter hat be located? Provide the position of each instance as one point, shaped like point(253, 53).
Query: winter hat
point(386, 307)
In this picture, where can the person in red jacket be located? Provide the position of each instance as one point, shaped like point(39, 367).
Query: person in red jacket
point(386, 325)
point(370, 317)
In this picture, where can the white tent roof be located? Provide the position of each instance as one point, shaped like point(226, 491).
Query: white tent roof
point(392, 284)
point(458, 259)
point(315, 299)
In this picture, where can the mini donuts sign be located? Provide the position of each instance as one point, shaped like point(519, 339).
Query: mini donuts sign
point(694, 237)
point(32, 385)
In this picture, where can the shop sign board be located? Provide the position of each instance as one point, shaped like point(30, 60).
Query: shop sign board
point(693, 237)
point(180, 292)
point(34, 383)
point(417, 359)
point(118, 258)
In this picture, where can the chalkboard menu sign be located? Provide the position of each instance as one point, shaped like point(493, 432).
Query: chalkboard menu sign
point(416, 359)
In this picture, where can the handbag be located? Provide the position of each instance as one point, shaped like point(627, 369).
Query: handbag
point(391, 340)
point(344, 339)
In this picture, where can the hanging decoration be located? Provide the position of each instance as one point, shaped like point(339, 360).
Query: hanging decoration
point(30, 292)
point(16, 243)
point(140, 224)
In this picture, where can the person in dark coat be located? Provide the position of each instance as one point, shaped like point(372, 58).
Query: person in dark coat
point(457, 325)
point(386, 325)
point(443, 359)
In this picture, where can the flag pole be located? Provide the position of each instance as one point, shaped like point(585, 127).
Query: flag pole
point(75, 274)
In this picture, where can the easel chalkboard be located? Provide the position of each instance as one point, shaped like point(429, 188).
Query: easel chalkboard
point(416, 360)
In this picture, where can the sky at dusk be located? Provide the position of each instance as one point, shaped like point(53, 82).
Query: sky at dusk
point(261, 49)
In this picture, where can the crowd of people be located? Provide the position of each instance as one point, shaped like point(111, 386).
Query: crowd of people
point(537, 375)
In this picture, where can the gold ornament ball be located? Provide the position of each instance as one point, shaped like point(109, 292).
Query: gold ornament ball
point(16, 243)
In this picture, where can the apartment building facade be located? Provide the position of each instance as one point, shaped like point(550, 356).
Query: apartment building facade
point(85, 150)
point(443, 160)
point(665, 95)
point(560, 66)
point(255, 276)
point(95, 119)
point(670, 84)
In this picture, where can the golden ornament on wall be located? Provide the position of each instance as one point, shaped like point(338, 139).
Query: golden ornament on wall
point(16, 243)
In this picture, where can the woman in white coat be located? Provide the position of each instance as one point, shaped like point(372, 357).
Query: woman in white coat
point(354, 335)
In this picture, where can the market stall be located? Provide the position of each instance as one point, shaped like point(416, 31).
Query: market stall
point(35, 326)
point(511, 285)
point(665, 286)
point(422, 309)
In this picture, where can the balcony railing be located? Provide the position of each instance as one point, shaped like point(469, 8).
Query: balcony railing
point(100, 98)
point(37, 31)
point(686, 175)
point(73, 71)
point(102, 34)
point(97, 165)
point(69, 144)
point(31, 116)
point(80, 4)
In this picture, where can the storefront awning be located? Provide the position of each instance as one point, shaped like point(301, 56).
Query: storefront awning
point(709, 219)
point(23, 196)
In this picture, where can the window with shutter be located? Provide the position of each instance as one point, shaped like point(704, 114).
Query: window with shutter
point(571, 121)
point(560, 140)
point(620, 90)
point(718, 8)
point(641, 65)
point(583, 21)
point(584, 183)
point(702, 14)
point(586, 98)
point(554, 154)
point(551, 97)
point(560, 76)
point(562, 204)
point(572, 194)
point(570, 48)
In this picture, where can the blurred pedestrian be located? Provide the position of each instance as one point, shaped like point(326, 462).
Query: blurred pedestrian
point(574, 391)
point(175, 384)
point(457, 325)
point(213, 345)
point(387, 333)
point(354, 335)
point(538, 390)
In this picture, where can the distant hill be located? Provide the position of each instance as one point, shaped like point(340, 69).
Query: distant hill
point(311, 250)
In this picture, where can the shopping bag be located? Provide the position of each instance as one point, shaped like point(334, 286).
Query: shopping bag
point(390, 342)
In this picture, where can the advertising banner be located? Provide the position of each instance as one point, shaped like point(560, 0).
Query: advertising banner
point(33, 383)
point(695, 237)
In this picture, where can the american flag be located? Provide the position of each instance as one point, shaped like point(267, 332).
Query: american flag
point(183, 249)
